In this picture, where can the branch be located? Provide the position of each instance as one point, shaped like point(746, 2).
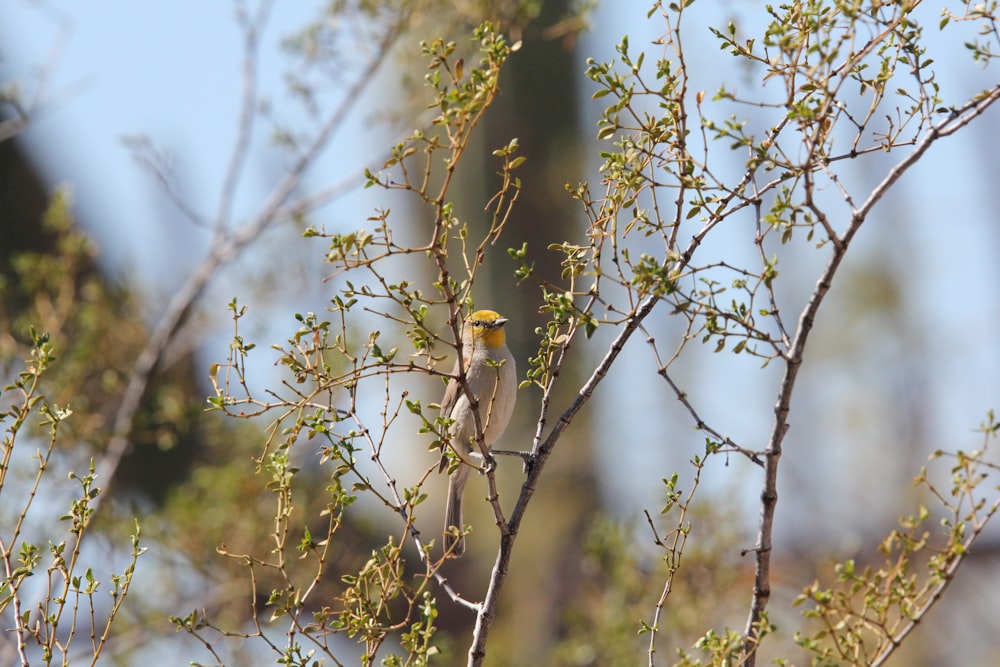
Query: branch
point(958, 118)
point(238, 157)
point(947, 576)
point(501, 567)
point(41, 100)
point(226, 247)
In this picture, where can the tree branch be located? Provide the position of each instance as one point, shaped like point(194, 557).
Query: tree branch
point(501, 567)
point(957, 119)
point(226, 246)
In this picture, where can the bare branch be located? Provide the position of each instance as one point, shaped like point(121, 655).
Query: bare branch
point(225, 247)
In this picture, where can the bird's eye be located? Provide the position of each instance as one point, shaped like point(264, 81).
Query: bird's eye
point(477, 323)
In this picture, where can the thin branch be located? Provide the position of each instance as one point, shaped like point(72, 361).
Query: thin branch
point(238, 158)
point(224, 249)
point(673, 542)
point(41, 100)
point(957, 119)
point(501, 567)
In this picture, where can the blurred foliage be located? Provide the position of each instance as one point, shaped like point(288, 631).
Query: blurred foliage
point(869, 610)
point(56, 287)
point(58, 290)
point(603, 622)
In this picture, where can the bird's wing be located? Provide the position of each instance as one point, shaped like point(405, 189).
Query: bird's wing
point(451, 394)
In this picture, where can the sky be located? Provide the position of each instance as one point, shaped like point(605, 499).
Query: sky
point(166, 72)
point(171, 72)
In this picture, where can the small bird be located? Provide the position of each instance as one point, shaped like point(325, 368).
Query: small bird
point(492, 378)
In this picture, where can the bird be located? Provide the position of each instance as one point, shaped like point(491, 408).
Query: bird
point(492, 378)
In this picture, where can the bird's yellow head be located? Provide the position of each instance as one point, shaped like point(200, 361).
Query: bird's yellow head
point(486, 327)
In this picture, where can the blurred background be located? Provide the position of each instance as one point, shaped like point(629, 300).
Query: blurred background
point(129, 114)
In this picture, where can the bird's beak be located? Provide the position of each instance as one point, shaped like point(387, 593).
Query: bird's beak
point(500, 322)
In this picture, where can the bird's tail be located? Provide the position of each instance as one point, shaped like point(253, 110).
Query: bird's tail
point(454, 545)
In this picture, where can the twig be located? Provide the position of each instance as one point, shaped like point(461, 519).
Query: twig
point(225, 248)
point(501, 567)
point(958, 118)
point(238, 158)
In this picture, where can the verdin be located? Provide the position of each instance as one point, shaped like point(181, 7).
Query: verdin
point(492, 379)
